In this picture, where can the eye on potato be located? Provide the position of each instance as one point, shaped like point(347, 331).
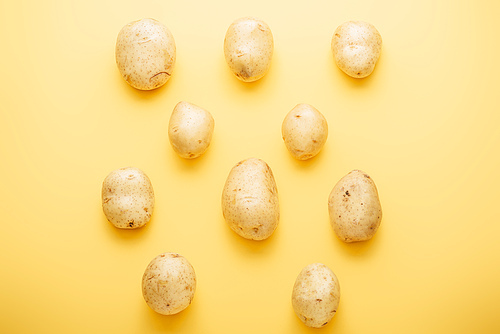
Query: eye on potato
point(304, 131)
point(248, 48)
point(128, 198)
point(190, 130)
point(145, 54)
point(356, 48)
point(169, 283)
point(354, 207)
point(316, 295)
point(250, 200)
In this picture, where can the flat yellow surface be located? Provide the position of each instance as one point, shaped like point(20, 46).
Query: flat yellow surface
point(424, 125)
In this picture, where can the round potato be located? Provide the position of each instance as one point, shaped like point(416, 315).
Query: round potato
point(128, 199)
point(356, 48)
point(250, 200)
point(145, 54)
point(169, 283)
point(354, 207)
point(304, 131)
point(316, 295)
point(248, 48)
point(190, 130)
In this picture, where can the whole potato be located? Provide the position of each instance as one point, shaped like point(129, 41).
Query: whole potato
point(356, 48)
point(316, 295)
point(354, 207)
point(304, 131)
point(169, 283)
point(250, 200)
point(190, 130)
point(145, 54)
point(248, 48)
point(127, 198)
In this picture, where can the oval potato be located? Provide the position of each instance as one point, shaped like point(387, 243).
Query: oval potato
point(316, 295)
point(128, 198)
point(169, 283)
point(145, 54)
point(248, 48)
point(356, 48)
point(250, 200)
point(354, 207)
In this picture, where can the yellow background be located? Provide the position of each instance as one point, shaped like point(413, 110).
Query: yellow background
point(424, 125)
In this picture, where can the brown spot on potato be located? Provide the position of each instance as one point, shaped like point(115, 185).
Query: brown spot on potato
point(106, 200)
point(319, 300)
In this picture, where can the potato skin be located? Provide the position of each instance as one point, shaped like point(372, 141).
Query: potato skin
point(145, 54)
point(248, 48)
point(316, 295)
point(354, 207)
point(356, 48)
point(304, 131)
point(250, 200)
point(190, 130)
point(128, 198)
point(169, 283)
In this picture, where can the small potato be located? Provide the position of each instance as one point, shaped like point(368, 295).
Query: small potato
point(248, 48)
point(304, 131)
point(316, 295)
point(145, 54)
point(250, 200)
point(128, 199)
point(169, 283)
point(356, 48)
point(354, 207)
point(190, 130)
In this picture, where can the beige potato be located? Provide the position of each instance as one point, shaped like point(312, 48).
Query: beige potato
point(248, 48)
point(354, 207)
point(128, 198)
point(304, 131)
point(190, 130)
point(145, 54)
point(316, 295)
point(356, 48)
point(169, 283)
point(250, 200)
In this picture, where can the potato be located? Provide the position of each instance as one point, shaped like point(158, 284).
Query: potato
point(128, 199)
point(316, 295)
point(250, 200)
point(145, 54)
point(190, 130)
point(304, 131)
point(169, 283)
point(356, 48)
point(248, 48)
point(354, 207)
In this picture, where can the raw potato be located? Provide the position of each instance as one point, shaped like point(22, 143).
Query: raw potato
point(169, 283)
point(316, 295)
point(145, 54)
point(356, 48)
point(250, 200)
point(304, 131)
point(190, 130)
point(128, 199)
point(248, 48)
point(354, 207)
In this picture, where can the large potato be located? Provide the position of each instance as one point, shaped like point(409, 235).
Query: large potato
point(304, 131)
point(127, 198)
point(356, 48)
point(316, 295)
point(354, 207)
point(248, 48)
point(190, 130)
point(250, 200)
point(169, 283)
point(145, 54)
